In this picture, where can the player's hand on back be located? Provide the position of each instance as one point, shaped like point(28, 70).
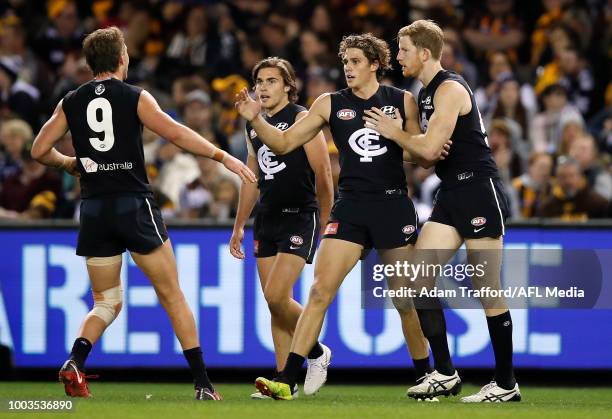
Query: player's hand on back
point(241, 169)
point(385, 125)
point(236, 243)
point(445, 150)
point(246, 106)
point(71, 167)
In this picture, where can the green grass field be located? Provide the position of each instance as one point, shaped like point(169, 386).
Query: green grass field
point(128, 400)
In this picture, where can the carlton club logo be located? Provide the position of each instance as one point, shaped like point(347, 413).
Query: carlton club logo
point(265, 158)
point(346, 114)
point(282, 126)
point(365, 143)
point(99, 89)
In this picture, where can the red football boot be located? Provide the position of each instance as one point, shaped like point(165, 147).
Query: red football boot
point(75, 382)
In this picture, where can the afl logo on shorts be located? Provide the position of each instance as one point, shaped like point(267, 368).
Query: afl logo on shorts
point(346, 114)
point(296, 240)
point(409, 229)
point(478, 221)
point(99, 89)
point(282, 126)
point(331, 228)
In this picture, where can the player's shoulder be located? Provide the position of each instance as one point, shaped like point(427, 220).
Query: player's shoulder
point(387, 88)
point(298, 108)
point(346, 92)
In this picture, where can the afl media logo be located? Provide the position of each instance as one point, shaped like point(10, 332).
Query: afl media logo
point(346, 114)
point(363, 142)
point(409, 229)
point(478, 221)
point(99, 89)
point(265, 158)
point(296, 240)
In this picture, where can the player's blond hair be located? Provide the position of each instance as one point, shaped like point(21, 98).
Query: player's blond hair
point(374, 49)
point(425, 34)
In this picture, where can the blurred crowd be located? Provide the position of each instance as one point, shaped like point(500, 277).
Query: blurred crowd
point(540, 72)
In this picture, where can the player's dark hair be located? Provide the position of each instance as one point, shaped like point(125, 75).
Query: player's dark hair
point(425, 34)
point(286, 70)
point(102, 49)
point(374, 49)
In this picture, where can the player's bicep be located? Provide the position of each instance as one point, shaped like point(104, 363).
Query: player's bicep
point(447, 102)
point(154, 118)
point(53, 130)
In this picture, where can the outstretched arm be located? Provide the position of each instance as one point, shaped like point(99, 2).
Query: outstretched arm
point(160, 123)
point(42, 148)
point(283, 142)
point(449, 100)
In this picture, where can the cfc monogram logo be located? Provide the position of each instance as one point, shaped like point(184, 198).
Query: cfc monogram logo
point(268, 165)
point(364, 142)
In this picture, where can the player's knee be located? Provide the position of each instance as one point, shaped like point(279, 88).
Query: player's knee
point(320, 295)
point(169, 296)
point(277, 301)
point(107, 304)
point(405, 308)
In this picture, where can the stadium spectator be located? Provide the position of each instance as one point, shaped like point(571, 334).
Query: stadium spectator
point(508, 162)
point(177, 169)
point(500, 70)
point(16, 96)
point(62, 35)
point(497, 29)
point(196, 198)
point(225, 201)
point(509, 105)
point(572, 198)
point(177, 47)
point(32, 192)
point(13, 45)
point(584, 150)
point(192, 46)
point(15, 134)
point(450, 60)
point(577, 79)
point(558, 13)
point(600, 126)
point(547, 126)
point(535, 186)
point(198, 114)
point(229, 124)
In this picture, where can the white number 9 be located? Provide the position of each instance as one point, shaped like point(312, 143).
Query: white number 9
point(105, 125)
